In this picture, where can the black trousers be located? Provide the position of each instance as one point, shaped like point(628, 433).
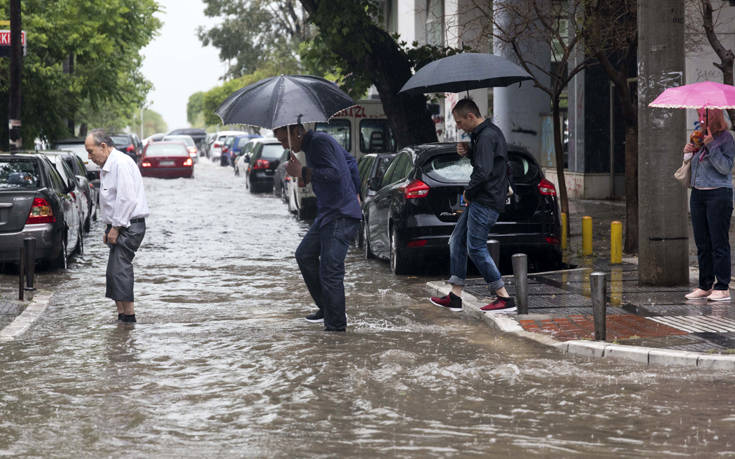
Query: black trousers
point(711, 211)
point(120, 278)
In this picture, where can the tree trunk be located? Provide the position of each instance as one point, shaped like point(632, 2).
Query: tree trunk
point(631, 188)
point(559, 150)
point(387, 67)
point(727, 57)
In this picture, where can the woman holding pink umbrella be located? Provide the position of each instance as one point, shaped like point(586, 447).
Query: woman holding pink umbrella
point(711, 204)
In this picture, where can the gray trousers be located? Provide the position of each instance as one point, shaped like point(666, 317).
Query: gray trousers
point(120, 278)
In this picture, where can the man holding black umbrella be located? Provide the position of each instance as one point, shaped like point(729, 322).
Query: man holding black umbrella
point(485, 199)
point(321, 255)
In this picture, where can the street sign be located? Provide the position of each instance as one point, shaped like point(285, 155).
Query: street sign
point(5, 42)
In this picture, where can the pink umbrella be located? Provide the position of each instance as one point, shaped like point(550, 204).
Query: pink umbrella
point(706, 94)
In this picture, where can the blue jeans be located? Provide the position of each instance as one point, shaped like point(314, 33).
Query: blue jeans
point(470, 238)
point(321, 258)
point(711, 211)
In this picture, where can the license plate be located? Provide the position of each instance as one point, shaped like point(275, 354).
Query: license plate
point(166, 163)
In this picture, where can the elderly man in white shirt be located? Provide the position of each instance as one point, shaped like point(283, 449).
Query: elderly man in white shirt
point(123, 208)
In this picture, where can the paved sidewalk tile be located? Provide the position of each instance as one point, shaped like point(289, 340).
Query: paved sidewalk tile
point(581, 326)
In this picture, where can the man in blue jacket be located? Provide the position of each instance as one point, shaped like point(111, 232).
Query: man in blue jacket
point(332, 171)
point(485, 199)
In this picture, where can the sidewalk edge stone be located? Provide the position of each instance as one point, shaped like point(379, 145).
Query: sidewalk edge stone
point(24, 321)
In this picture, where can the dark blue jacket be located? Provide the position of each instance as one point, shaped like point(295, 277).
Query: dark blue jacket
point(488, 154)
point(334, 178)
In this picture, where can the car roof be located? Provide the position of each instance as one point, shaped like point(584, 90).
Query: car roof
point(187, 131)
point(76, 140)
point(21, 154)
point(265, 140)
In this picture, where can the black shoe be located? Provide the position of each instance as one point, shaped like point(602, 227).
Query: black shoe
point(128, 318)
point(120, 316)
point(451, 302)
point(328, 329)
point(315, 318)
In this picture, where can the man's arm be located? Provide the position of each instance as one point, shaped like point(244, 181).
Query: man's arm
point(352, 166)
point(125, 198)
point(324, 159)
point(484, 157)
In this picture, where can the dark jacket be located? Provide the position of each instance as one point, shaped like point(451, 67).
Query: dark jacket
point(488, 154)
point(334, 177)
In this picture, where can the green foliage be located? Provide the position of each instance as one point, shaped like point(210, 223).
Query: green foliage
point(194, 107)
point(152, 123)
point(102, 41)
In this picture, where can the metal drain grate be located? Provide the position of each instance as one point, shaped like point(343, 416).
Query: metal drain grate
point(697, 324)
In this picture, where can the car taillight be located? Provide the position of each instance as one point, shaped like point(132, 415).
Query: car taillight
point(73, 196)
point(91, 185)
point(145, 164)
point(416, 243)
point(216, 145)
point(40, 212)
point(188, 162)
point(225, 149)
point(261, 164)
point(552, 240)
point(130, 148)
point(416, 189)
point(287, 179)
point(546, 188)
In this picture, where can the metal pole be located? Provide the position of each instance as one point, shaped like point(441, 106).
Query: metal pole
point(598, 286)
point(520, 271)
point(21, 270)
point(29, 245)
point(493, 246)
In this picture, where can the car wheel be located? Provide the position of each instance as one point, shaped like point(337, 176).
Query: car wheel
point(398, 262)
point(60, 260)
point(366, 241)
point(88, 224)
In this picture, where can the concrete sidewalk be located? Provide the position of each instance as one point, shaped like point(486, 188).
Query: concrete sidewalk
point(651, 325)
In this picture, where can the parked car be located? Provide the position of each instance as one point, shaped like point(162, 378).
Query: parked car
point(36, 202)
point(218, 142)
point(241, 162)
point(372, 166)
point(199, 136)
point(129, 144)
point(59, 160)
point(301, 199)
point(166, 160)
point(191, 146)
point(76, 146)
point(157, 137)
point(264, 159)
point(237, 150)
point(90, 198)
point(419, 201)
point(280, 177)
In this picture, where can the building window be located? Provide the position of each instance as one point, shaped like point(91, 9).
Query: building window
point(435, 22)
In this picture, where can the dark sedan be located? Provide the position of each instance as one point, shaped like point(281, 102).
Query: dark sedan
point(414, 212)
point(129, 144)
point(35, 202)
point(166, 160)
point(264, 159)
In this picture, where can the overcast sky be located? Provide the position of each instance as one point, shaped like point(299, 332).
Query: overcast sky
point(176, 62)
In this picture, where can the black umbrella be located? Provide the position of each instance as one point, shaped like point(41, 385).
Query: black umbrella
point(465, 71)
point(283, 100)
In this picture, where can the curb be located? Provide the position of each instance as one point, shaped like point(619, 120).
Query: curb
point(650, 356)
point(31, 313)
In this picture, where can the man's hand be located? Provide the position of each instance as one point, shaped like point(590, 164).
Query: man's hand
point(462, 148)
point(112, 236)
point(464, 196)
point(359, 201)
point(293, 168)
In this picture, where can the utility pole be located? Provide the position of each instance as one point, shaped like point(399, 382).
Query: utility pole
point(663, 256)
point(16, 66)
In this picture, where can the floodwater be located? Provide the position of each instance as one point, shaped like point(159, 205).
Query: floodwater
point(222, 364)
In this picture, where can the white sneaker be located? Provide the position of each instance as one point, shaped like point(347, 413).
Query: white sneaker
point(719, 295)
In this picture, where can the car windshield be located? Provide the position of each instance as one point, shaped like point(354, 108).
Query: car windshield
point(339, 129)
point(18, 173)
point(121, 141)
point(166, 149)
point(376, 136)
point(449, 168)
point(180, 138)
point(272, 151)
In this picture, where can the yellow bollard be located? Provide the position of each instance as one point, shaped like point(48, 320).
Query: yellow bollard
point(616, 242)
point(563, 231)
point(586, 236)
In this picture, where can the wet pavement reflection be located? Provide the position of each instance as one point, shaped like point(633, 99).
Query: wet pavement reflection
point(222, 363)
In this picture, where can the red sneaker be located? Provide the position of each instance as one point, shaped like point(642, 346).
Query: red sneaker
point(451, 302)
point(501, 304)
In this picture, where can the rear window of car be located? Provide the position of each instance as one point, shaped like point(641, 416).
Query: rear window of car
point(521, 168)
point(449, 168)
point(171, 149)
point(272, 151)
point(16, 173)
point(121, 140)
point(179, 138)
point(339, 129)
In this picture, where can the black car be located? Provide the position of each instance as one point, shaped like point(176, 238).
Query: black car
point(76, 166)
point(129, 144)
point(281, 178)
point(414, 212)
point(372, 167)
point(199, 136)
point(35, 202)
point(264, 159)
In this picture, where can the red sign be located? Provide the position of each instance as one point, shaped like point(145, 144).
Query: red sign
point(5, 37)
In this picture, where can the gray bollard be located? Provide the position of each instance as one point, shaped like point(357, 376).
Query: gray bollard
point(520, 271)
point(21, 270)
point(29, 244)
point(493, 246)
point(598, 287)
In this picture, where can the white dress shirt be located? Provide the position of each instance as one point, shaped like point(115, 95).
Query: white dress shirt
point(121, 194)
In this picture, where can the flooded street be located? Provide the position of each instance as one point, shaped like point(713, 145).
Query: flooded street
point(221, 362)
